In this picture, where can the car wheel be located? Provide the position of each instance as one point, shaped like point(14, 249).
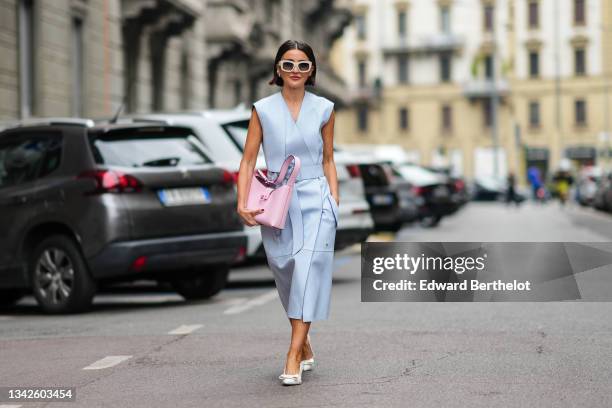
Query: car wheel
point(60, 279)
point(203, 286)
point(9, 297)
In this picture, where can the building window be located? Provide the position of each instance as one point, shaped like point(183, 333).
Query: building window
point(579, 12)
point(185, 80)
point(26, 58)
point(445, 24)
point(132, 56)
point(77, 67)
point(401, 23)
point(488, 64)
point(362, 118)
point(534, 114)
point(488, 17)
point(445, 67)
point(579, 61)
point(534, 64)
point(270, 7)
point(360, 24)
point(402, 69)
point(533, 17)
point(487, 112)
point(158, 71)
point(404, 123)
point(580, 112)
point(237, 92)
point(447, 118)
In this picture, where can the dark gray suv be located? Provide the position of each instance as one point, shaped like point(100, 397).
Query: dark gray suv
point(83, 204)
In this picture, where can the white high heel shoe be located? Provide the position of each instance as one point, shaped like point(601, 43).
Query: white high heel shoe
point(308, 364)
point(293, 379)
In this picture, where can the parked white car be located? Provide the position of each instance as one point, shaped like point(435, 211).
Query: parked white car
point(356, 222)
point(588, 182)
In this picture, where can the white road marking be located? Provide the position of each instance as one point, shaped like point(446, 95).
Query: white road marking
point(249, 304)
point(185, 329)
point(136, 298)
point(10, 406)
point(106, 362)
point(233, 301)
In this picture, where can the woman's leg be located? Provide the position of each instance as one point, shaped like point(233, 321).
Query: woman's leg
point(299, 330)
point(306, 349)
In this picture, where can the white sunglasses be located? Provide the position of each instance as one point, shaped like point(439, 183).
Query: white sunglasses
point(288, 65)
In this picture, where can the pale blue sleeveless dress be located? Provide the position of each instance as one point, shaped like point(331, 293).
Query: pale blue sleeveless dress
point(300, 255)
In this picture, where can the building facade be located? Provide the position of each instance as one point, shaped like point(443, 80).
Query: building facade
point(85, 57)
point(483, 86)
point(88, 57)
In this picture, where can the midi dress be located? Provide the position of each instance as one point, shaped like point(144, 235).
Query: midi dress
point(301, 254)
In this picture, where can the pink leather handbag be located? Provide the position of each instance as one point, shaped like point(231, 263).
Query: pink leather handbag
point(273, 196)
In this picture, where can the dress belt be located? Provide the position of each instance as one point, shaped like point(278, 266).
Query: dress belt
point(307, 171)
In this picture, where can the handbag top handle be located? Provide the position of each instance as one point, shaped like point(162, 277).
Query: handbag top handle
point(294, 172)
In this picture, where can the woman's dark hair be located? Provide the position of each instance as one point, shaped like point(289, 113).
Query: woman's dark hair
point(293, 45)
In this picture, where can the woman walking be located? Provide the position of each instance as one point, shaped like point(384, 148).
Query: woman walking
point(295, 121)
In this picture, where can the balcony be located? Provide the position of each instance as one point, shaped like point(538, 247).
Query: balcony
point(228, 23)
point(363, 93)
point(371, 93)
point(483, 88)
point(425, 45)
point(164, 18)
point(149, 11)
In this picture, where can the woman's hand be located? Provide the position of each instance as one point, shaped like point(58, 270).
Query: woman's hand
point(248, 216)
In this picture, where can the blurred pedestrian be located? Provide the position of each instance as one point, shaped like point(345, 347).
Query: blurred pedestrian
point(511, 195)
point(563, 180)
point(537, 186)
point(295, 122)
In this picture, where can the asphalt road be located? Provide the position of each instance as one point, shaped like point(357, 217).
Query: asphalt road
point(145, 347)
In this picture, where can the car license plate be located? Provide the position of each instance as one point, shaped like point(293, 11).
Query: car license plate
point(184, 196)
point(382, 199)
point(440, 192)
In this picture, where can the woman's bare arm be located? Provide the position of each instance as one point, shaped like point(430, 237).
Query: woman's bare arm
point(247, 166)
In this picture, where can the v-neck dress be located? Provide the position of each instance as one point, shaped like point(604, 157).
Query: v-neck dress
point(300, 255)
